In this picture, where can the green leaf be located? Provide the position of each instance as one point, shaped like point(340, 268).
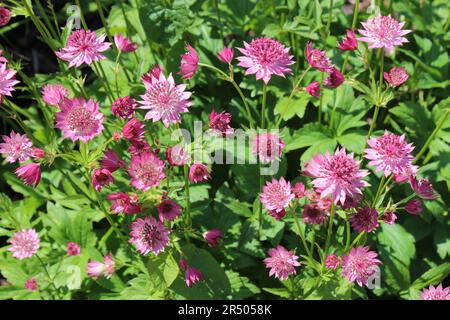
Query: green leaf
point(281, 292)
point(241, 287)
point(291, 107)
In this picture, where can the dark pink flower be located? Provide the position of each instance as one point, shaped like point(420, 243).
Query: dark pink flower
point(146, 171)
point(38, 153)
point(299, 190)
point(73, 249)
point(138, 147)
point(101, 177)
point(414, 207)
point(352, 202)
point(220, 122)
point(423, 188)
point(349, 42)
point(198, 172)
point(365, 219)
point(278, 215)
point(318, 59)
point(312, 214)
point(133, 130)
point(5, 16)
point(388, 217)
point(177, 155)
point(189, 63)
point(123, 203)
point(212, 237)
point(30, 174)
point(226, 55)
point(281, 262)
point(54, 94)
point(124, 44)
point(335, 79)
point(31, 284)
point(192, 276)
point(168, 210)
point(313, 89)
point(111, 161)
point(152, 75)
point(396, 76)
point(149, 235)
point(183, 264)
point(359, 265)
point(123, 107)
point(438, 293)
point(332, 261)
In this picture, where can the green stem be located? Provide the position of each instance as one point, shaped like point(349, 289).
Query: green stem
point(357, 239)
point(300, 233)
point(188, 200)
point(48, 275)
point(330, 15)
point(374, 119)
point(348, 231)
point(216, 5)
point(263, 106)
point(380, 187)
point(101, 74)
point(330, 226)
point(260, 216)
point(355, 18)
point(102, 18)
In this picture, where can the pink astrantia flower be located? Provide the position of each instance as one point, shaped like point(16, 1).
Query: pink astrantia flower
point(276, 195)
point(97, 269)
point(73, 249)
point(111, 161)
point(312, 214)
point(146, 171)
point(139, 147)
point(226, 55)
point(281, 262)
point(278, 215)
point(365, 219)
point(322, 203)
point(38, 153)
point(438, 293)
point(5, 16)
point(2, 58)
point(396, 76)
point(123, 203)
point(198, 172)
point(168, 210)
point(220, 123)
point(389, 153)
point(101, 177)
point(349, 42)
point(189, 63)
point(383, 32)
point(124, 44)
point(268, 146)
point(408, 172)
point(337, 175)
point(414, 207)
point(388, 217)
point(24, 244)
point(123, 107)
point(133, 130)
point(192, 276)
point(30, 174)
point(149, 234)
point(152, 75)
point(352, 202)
point(54, 94)
point(165, 100)
point(423, 188)
point(7, 81)
point(16, 147)
point(265, 57)
point(212, 237)
point(332, 261)
point(183, 264)
point(299, 190)
point(318, 59)
point(79, 119)
point(313, 89)
point(335, 79)
point(359, 265)
point(177, 155)
point(31, 284)
point(83, 46)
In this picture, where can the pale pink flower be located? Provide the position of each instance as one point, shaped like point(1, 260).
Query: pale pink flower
point(388, 217)
point(5, 16)
point(337, 175)
point(146, 171)
point(335, 79)
point(220, 122)
point(414, 207)
point(79, 119)
point(123, 203)
point(359, 265)
point(312, 214)
point(83, 46)
point(54, 94)
point(2, 58)
point(198, 172)
point(97, 269)
point(189, 63)
point(165, 100)
point(24, 244)
point(313, 89)
point(396, 76)
point(332, 261)
point(31, 284)
point(438, 293)
point(177, 155)
point(152, 75)
point(149, 234)
point(101, 177)
point(133, 130)
point(389, 153)
point(192, 276)
point(265, 57)
point(123, 107)
point(30, 174)
point(318, 59)
point(383, 32)
point(281, 262)
point(276, 195)
point(124, 44)
point(268, 146)
point(7, 81)
point(73, 249)
point(16, 147)
point(226, 55)
point(168, 210)
point(111, 161)
point(423, 188)
point(349, 42)
point(365, 219)
point(212, 237)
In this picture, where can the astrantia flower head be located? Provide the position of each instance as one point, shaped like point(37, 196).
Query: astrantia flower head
point(138, 147)
point(192, 276)
point(149, 234)
point(359, 265)
point(226, 55)
point(168, 210)
point(337, 175)
point(123, 203)
point(146, 171)
point(133, 130)
point(318, 59)
point(24, 244)
point(7, 81)
point(220, 122)
point(389, 153)
point(83, 46)
point(212, 237)
point(101, 177)
point(335, 79)
point(177, 155)
point(152, 75)
point(332, 261)
point(31, 284)
point(365, 219)
point(438, 293)
point(73, 249)
point(97, 269)
point(16, 147)
point(198, 172)
point(388, 217)
point(313, 89)
point(414, 207)
point(5, 16)
point(281, 262)
point(123, 107)
point(268, 146)
point(352, 202)
point(276, 195)
point(265, 57)
point(383, 32)
point(349, 42)
point(124, 44)
point(79, 119)
point(423, 188)
point(54, 94)
point(2, 58)
point(278, 215)
point(30, 174)
point(189, 63)
point(312, 214)
point(111, 161)
point(396, 76)
point(299, 190)
point(165, 100)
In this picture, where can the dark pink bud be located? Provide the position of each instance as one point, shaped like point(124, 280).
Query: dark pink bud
point(313, 89)
point(414, 207)
point(226, 55)
point(101, 177)
point(349, 42)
